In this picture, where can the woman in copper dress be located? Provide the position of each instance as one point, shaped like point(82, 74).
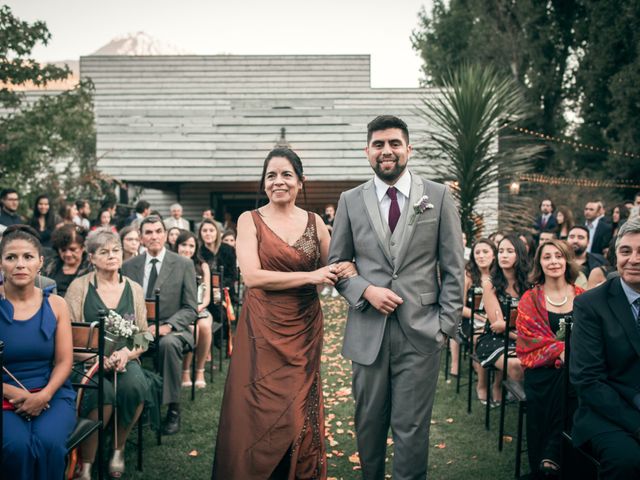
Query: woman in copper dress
point(271, 423)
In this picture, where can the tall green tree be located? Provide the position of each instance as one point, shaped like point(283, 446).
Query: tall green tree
point(529, 40)
point(17, 40)
point(475, 104)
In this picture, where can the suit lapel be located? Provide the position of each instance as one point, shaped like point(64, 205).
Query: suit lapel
point(417, 190)
point(619, 305)
point(370, 201)
point(166, 268)
point(138, 270)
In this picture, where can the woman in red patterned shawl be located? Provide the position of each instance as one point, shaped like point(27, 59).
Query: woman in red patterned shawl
point(540, 348)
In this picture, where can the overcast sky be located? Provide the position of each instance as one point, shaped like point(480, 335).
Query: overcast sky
point(381, 28)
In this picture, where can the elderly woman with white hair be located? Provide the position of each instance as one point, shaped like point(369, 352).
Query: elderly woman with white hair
point(106, 289)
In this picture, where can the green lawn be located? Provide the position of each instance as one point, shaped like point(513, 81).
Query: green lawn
point(460, 446)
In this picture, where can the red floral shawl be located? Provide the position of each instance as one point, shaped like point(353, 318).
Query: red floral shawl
point(537, 345)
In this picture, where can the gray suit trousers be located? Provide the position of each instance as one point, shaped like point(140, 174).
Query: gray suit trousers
point(172, 347)
point(392, 392)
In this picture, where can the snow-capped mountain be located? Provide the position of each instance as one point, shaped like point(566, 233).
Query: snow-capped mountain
point(139, 43)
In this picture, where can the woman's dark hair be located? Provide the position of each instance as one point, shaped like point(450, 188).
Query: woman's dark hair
point(68, 234)
point(127, 230)
point(174, 228)
point(65, 212)
point(520, 267)
point(530, 244)
point(295, 162)
point(472, 267)
point(49, 218)
point(229, 233)
point(571, 272)
point(611, 256)
point(197, 258)
point(100, 212)
point(624, 214)
point(20, 232)
point(568, 218)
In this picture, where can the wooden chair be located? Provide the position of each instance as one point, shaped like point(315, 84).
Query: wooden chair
point(515, 388)
point(568, 447)
point(88, 338)
point(153, 318)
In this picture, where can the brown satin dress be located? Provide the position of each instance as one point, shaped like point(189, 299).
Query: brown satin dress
point(272, 420)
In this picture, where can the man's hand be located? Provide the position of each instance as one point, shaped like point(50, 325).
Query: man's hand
point(382, 299)
point(164, 329)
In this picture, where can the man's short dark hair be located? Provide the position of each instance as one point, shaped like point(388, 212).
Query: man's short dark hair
point(580, 227)
point(384, 122)
point(80, 203)
point(142, 205)
point(151, 219)
point(6, 191)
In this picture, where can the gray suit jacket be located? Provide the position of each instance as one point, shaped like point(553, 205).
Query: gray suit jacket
point(177, 284)
point(422, 262)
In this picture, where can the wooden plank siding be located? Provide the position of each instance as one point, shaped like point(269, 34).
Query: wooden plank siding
point(205, 123)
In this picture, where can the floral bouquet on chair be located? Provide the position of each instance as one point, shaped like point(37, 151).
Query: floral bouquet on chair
point(122, 331)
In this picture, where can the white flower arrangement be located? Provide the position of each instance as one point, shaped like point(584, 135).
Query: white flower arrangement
point(125, 330)
point(420, 207)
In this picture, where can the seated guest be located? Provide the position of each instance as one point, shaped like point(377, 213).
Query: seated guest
point(547, 236)
point(175, 276)
point(106, 289)
point(130, 239)
point(565, 222)
point(496, 237)
point(600, 274)
point(9, 202)
point(478, 269)
point(218, 254)
point(619, 215)
point(70, 260)
point(529, 244)
point(68, 212)
point(578, 240)
point(43, 219)
point(605, 364)
point(541, 351)
point(229, 238)
point(187, 246)
point(176, 220)
point(103, 221)
point(172, 235)
point(39, 402)
point(508, 282)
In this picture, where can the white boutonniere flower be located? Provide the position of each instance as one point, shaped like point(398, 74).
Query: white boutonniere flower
point(420, 207)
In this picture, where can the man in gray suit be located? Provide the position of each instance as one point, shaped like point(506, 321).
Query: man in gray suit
point(403, 233)
point(175, 277)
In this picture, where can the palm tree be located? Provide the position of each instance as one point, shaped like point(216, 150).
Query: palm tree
point(470, 121)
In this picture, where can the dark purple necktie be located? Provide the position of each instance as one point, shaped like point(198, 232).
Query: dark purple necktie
point(394, 208)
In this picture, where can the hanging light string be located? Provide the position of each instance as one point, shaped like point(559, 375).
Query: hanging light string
point(580, 182)
point(575, 144)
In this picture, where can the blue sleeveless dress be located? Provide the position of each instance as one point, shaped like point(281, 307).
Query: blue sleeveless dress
point(34, 449)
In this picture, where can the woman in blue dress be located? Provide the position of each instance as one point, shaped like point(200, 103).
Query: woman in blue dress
point(38, 407)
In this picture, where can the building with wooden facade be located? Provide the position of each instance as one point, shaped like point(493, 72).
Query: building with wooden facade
point(196, 129)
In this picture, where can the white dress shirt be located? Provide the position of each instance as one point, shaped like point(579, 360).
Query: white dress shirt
point(403, 185)
point(148, 265)
point(181, 223)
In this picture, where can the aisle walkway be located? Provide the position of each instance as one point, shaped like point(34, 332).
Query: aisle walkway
point(460, 447)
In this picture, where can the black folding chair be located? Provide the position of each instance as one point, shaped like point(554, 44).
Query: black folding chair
point(514, 387)
point(217, 328)
point(88, 338)
point(568, 447)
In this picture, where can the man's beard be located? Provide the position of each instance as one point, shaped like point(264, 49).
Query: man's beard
point(389, 175)
point(578, 251)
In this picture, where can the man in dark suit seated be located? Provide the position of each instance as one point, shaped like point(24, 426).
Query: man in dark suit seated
point(600, 229)
point(605, 364)
point(175, 276)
